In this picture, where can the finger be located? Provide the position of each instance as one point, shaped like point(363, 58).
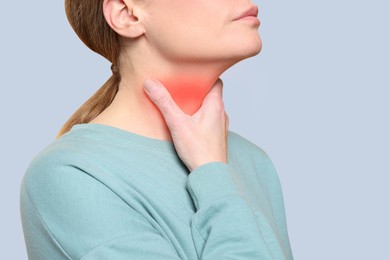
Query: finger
point(214, 97)
point(216, 89)
point(162, 99)
point(227, 120)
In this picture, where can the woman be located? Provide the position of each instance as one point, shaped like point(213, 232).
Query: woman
point(146, 168)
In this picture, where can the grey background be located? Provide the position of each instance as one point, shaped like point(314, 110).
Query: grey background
point(316, 99)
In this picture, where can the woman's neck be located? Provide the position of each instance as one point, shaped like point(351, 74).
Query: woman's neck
point(133, 111)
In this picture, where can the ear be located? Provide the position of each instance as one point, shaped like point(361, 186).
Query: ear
point(122, 18)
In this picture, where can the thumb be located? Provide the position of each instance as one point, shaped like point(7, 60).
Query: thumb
point(163, 100)
point(214, 97)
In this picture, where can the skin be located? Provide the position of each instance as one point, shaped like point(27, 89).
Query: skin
point(172, 55)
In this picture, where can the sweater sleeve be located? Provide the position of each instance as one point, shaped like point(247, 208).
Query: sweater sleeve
point(67, 214)
point(224, 225)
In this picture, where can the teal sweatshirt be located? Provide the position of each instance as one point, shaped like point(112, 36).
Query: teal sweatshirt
point(100, 192)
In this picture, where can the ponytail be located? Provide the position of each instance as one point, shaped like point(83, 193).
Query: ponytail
point(87, 20)
point(93, 106)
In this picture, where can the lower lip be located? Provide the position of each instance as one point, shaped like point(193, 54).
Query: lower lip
point(252, 19)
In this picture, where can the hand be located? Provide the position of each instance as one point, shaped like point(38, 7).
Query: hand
point(200, 138)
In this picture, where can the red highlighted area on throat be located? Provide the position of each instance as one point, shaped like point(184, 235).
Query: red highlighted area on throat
point(188, 94)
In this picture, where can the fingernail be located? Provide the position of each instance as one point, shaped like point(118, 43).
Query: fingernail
point(149, 85)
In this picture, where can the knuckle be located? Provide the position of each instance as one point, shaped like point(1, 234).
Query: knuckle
point(174, 122)
point(162, 99)
point(219, 106)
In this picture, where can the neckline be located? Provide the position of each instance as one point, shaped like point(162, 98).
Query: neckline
point(126, 136)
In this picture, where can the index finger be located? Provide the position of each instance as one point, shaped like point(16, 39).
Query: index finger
point(163, 100)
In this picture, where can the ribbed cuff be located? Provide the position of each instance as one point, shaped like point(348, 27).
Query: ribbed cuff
point(209, 182)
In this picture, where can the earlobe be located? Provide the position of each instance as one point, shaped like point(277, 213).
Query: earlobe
point(121, 18)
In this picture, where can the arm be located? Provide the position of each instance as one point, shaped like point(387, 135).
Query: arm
point(67, 214)
point(224, 225)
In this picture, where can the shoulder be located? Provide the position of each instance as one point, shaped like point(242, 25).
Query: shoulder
point(57, 166)
point(240, 145)
point(60, 181)
point(255, 166)
point(59, 153)
point(61, 198)
point(244, 154)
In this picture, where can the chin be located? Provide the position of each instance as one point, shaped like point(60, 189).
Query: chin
point(254, 50)
point(251, 48)
point(245, 50)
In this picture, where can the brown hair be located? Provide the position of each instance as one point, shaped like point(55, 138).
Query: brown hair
point(87, 20)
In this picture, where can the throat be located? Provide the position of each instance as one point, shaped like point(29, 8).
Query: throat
point(132, 110)
point(188, 95)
